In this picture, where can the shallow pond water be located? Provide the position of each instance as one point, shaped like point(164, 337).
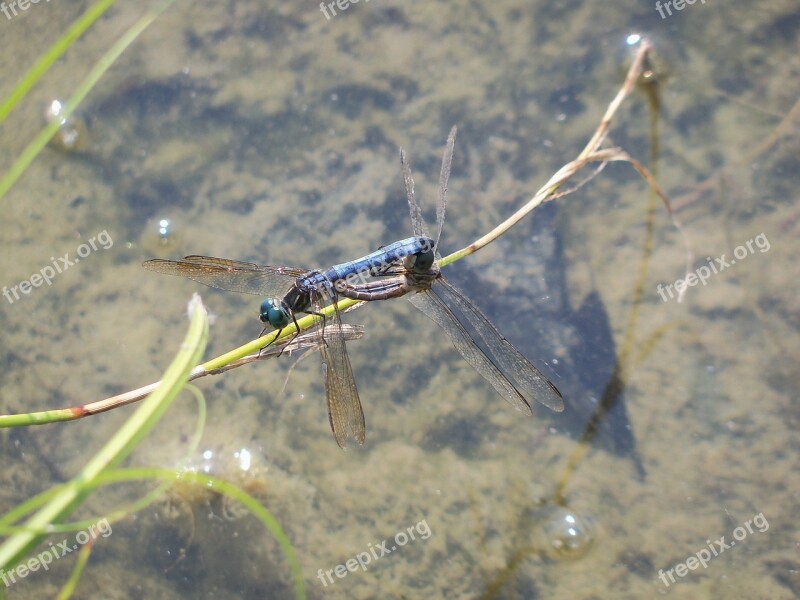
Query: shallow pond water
point(269, 132)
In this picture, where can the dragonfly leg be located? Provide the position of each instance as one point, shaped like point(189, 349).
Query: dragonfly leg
point(297, 330)
point(263, 331)
point(321, 316)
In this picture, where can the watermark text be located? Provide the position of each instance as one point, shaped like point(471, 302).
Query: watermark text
point(715, 266)
point(362, 559)
point(342, 5)
point(59, 265)
point(702, 557)
point(676, 4)
point(45, 558)
point(10, 9)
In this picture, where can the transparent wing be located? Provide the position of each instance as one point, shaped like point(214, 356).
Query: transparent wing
point(344, 406)
point(528, 380)
point(231, 275)
point(435, 309)
point(311, 340)
point(417, 222)
point(444, 177)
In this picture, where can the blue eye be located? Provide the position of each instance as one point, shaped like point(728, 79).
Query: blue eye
point(420, 263)
point(274, 313)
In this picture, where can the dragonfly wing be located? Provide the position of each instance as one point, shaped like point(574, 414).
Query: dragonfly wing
point(434, 308)
point(344, 406)
point(417, 222)
point(444, 177)
point(527, 378)
point(310, 340)
point(230, 275)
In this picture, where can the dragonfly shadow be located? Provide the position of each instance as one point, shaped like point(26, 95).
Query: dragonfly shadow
point(586, 369)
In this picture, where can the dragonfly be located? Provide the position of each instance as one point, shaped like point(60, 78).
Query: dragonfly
point(291, 290)
point(419, 276)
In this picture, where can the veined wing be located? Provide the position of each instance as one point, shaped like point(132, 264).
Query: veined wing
point(231, 275)
point(344, 406)
point(435, 309)
point(417, 222)
point(528, 380)
point(311, 340)
point(444, 177)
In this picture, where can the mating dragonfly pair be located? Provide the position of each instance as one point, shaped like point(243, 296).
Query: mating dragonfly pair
point(407, 267)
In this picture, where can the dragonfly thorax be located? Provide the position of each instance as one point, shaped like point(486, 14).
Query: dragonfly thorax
point(275, 312)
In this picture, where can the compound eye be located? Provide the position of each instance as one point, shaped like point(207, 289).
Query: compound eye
point(274, 313)
point(420, 263)
point(263, 312)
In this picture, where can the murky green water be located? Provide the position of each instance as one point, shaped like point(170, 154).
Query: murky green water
point(268, 132)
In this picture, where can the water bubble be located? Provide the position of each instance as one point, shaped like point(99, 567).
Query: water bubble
point(164, 228)
point(72, 134)
point(244, 467)
point(160, 236)
point(565, 534)
point(657, 67)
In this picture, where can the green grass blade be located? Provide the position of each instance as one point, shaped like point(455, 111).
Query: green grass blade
point(36, 145)
point(83, 557)
point(27, 507)
point(208, 482)
point(118, 447)
point(52, 55)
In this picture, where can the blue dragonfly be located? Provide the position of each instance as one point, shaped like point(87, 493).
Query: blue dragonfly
point(292, 290)
point(419, 277)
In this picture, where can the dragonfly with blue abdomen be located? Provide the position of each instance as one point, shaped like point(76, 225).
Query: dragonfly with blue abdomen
point(419, 277)
point(291, 290)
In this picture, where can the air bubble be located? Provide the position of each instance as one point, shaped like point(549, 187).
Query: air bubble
point(72, 134)
point(565, 534)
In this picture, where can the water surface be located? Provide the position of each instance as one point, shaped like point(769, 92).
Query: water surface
point(269, 132)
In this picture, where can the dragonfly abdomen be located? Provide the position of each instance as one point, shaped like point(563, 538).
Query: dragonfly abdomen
point(377, 262)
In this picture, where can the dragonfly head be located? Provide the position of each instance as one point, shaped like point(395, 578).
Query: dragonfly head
point(421, 262)
point(275, 313)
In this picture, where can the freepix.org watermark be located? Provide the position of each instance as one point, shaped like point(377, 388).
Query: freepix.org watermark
point(702, 557)
point(701, 274)
point(362, 559)
point(342, 5)
point(44, 559)
point(46, 274)
point(10, 9)
point(676, 4)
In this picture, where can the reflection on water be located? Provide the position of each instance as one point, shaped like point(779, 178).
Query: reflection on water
point(271, 134)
